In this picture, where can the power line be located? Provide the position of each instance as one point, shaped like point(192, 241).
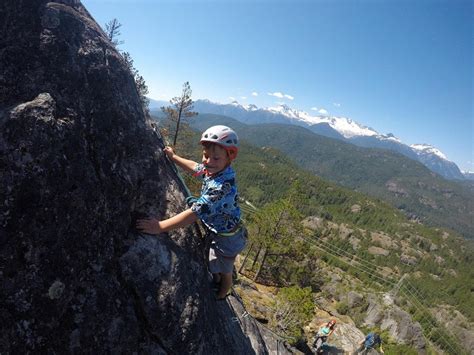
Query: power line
point(424, 316)
point(358, 266)
point(417, 297)
point(352, 256)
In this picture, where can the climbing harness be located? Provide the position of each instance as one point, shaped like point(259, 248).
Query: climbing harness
point(233, 232)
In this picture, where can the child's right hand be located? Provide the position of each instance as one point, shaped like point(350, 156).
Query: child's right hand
point(149, 226)
point(169, 152)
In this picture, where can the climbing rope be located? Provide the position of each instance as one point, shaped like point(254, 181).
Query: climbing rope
point(162, 140)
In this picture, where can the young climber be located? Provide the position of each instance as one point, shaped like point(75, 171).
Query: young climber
point(371, 341)
point(217, 207)
point(325, 330)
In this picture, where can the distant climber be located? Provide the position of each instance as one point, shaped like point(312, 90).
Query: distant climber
point(371, 341)
point(217, 207)
point(324, 332)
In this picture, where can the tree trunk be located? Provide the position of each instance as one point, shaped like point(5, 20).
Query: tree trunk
point(177, 125)
point(256, 257)
point(261, 265)
point(245, 259)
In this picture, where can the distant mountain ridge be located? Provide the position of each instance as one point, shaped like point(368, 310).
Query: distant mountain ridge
point(469, 175)
point(341, 128)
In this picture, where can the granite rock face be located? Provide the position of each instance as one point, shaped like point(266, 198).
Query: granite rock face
point(399, 324)
point(78, 161)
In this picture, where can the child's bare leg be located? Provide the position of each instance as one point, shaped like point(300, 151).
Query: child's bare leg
point(226, 284)
point(216, 278)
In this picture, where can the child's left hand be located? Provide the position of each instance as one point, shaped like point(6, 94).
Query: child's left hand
point(149, 226)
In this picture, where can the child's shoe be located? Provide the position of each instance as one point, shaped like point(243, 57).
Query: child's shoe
point(220, 298)
point(216, 295)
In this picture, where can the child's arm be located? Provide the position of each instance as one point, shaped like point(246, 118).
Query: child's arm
point(186, 164)
point(154, 226)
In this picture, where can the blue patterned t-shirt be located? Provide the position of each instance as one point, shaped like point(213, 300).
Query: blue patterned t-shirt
point(218, 207)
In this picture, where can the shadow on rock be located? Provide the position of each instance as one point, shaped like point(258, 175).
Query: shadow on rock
point(329, 349)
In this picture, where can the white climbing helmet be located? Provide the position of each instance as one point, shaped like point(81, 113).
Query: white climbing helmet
point(223, 136)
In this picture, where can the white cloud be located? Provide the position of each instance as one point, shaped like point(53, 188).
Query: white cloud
point(231, 98)
point(336, 104)
point(255, 93)
point(243, 97)
point(321, 111)
point(276, 94)
point(281, 95)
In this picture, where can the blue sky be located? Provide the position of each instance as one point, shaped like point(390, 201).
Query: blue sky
point(403, 67)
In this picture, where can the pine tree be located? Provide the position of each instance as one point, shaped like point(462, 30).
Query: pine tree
point(293, 308)
point(180, 108)
point(112, 30)
point(140, 84)
point(274, 228)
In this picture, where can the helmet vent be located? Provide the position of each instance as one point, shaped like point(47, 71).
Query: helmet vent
point(214, 137)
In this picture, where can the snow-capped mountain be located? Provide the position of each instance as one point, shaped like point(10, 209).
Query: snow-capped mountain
point(437, 161)
point(426, 149)
point(335, 127)
point(345, 126)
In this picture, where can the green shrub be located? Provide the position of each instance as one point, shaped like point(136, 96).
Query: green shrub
point(342, 307)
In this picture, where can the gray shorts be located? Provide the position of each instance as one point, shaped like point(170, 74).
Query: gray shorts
point(223, 251)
